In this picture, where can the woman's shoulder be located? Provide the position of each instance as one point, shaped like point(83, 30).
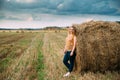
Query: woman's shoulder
point(74, 36)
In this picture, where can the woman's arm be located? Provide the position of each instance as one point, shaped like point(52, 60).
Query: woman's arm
point(65, 49)
point(73, 46)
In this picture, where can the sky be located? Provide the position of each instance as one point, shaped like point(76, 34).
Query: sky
point(42, 13)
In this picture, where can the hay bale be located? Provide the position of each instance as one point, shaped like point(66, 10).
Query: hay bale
point(98, 46)
point(22, 31)
point(17, 31)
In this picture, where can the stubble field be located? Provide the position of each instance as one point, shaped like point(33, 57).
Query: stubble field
point(38, 56)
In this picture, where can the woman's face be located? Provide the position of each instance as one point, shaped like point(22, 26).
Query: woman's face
point(70, 30)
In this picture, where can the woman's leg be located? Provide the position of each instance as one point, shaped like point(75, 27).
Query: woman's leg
point(72, 59)
point(65, 59)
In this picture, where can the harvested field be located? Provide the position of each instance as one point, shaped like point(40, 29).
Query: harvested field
point(18, 56)
point(38, 56)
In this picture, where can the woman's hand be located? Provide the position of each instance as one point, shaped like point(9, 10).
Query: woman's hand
point(71, 54)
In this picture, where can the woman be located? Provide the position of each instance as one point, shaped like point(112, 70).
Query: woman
point(69, 50)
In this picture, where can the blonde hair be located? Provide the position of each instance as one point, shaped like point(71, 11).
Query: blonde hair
point(73, 30)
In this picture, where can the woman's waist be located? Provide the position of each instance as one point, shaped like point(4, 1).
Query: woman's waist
point(68, 48)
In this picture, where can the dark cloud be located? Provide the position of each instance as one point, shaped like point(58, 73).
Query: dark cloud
point(64, 7)
point(1, 4)
point(116, 3)
point(88, 7)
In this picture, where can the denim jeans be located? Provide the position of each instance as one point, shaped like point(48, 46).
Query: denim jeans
point(67, 58)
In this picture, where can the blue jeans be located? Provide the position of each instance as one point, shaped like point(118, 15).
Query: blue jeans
point(67, 58)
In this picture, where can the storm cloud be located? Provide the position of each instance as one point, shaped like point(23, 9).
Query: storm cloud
point(64, 7)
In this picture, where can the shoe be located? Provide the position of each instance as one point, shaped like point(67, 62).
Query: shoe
point(67, 74)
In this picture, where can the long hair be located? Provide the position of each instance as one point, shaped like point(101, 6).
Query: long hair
point(74, 30)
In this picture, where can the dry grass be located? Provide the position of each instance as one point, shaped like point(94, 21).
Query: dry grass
point(53, 57)
point(22, 55)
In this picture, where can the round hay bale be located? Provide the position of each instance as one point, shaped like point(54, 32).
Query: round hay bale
point(98, 46)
